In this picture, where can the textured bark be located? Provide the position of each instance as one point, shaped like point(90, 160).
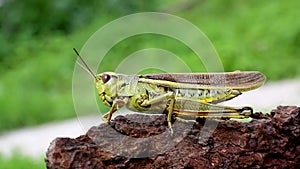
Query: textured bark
point(142, 141)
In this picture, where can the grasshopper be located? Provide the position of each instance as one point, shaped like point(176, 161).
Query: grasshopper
point(179, 94)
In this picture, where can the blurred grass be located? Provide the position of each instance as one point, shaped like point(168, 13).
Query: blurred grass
point(36, 74)
point(253, 35)
point(20, 161)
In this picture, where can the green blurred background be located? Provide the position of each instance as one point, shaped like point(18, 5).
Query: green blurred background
point(37, 38)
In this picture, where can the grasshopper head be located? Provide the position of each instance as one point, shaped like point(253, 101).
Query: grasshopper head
point(106, 85)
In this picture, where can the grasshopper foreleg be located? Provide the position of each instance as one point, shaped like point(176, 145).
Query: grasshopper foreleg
point(115, 106)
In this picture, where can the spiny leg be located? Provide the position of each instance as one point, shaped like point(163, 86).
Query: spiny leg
point(196, 108)
point(185, 120)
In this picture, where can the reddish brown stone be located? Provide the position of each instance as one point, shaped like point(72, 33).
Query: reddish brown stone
point(142, 141)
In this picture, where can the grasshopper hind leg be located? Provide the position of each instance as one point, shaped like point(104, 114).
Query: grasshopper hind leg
point(246, 111)
point(200, 120)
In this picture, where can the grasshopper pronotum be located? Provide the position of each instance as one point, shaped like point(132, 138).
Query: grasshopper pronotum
point(179, 94)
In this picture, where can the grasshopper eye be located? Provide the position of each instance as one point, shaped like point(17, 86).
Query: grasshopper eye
point(105, 78)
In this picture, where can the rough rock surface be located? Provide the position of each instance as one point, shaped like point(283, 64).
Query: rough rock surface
point(142, 141)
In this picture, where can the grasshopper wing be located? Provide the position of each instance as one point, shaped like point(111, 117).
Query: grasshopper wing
point(242, 81)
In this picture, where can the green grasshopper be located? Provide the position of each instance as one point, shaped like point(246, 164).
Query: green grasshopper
point(179, 94)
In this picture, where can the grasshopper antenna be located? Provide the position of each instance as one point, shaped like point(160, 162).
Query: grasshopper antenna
point(85, 67)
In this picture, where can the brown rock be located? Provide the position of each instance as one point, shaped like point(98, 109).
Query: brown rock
point(142, 141)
